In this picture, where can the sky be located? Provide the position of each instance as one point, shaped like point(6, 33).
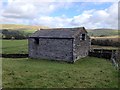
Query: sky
point(90, 14)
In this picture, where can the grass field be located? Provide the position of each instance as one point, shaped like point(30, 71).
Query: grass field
point(14, 46)
point(103, 32)
point(89, 72)
point(32, 73)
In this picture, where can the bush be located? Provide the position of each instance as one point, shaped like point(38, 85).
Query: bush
point(9, 34)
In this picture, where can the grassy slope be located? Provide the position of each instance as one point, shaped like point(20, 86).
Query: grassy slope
point(85, 73)
point(17, 26)
point(22, 28)
point(99, 32)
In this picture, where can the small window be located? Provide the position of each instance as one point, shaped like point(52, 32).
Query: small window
point(82, 37)
point(36, 40)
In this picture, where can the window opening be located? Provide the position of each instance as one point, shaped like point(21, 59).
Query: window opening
point(36, 40)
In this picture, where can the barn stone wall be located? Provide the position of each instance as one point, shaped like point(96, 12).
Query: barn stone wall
point(56, 49)
point(80, 47)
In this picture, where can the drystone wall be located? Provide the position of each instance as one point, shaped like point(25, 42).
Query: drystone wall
point(56, 49)
point(80, 47)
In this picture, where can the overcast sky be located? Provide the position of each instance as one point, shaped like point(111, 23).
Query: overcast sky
point(58, 13)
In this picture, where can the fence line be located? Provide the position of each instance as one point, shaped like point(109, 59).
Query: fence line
point(111, 55)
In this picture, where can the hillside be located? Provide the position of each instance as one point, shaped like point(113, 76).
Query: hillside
point(102, 32)
point(8, 31)
point(30, 29)
point(20, 27)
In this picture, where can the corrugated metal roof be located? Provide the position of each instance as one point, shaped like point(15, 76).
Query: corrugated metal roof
point(58, 32)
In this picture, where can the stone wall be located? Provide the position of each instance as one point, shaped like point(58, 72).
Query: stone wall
point(56, 49)
point(80, 47)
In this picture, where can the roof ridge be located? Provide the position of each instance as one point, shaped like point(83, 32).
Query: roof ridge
point(59, 32)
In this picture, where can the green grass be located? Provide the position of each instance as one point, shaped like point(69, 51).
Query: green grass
point(14, 46)
point(29, 31)
point(89, 72)
point(103, 32)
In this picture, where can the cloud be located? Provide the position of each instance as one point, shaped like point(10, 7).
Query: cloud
point(20, 9)
point(38, 13)
point(52, 21)
point(98, 18)
point(14, 21)
point(30, 9)
point(26, 11)
point(106, 18)
point(99, 0)
point(0, 7)
point(82, 18)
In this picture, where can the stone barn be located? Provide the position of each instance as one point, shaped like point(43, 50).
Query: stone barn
point(67, 44)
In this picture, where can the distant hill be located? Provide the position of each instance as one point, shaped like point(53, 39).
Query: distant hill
point(102, 32)
point(21, 27)
point(8, 31)
point(29, 29)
